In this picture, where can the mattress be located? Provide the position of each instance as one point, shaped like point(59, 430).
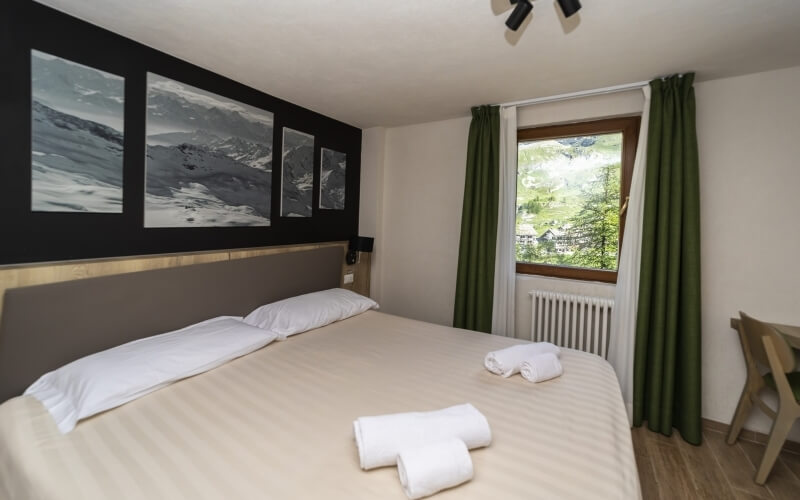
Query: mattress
point(278, 424)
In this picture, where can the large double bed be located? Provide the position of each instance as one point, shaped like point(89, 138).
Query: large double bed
point(277, 423)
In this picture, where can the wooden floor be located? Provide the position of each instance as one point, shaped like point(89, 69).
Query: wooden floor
point(669, 468)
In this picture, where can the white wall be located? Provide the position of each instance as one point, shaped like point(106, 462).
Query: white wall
point(587, 108)
point(423, 191)
point(370, 203)
point(748, 129)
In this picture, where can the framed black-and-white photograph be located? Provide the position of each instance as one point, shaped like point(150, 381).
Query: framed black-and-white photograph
point(209, 158)
point(333, 167)
point(77, 136)
point(297, 174)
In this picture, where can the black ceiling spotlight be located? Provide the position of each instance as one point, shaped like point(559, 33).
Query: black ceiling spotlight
point(517, 17)
point(569, 6)
point(524, 7)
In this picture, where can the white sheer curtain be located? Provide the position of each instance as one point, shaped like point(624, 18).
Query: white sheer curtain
point(623, 317)
point(505, 260)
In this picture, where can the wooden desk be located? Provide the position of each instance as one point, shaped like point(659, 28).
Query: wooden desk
point(790, 333)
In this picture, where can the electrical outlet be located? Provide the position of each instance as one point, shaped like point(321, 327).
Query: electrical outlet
point(348, 278)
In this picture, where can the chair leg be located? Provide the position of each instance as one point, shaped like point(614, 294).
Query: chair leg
point(780, 429)
point(741, 414)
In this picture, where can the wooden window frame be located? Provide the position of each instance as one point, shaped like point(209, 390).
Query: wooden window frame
point(629, 126)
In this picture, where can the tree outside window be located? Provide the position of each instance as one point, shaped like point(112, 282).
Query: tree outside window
point(572, 183)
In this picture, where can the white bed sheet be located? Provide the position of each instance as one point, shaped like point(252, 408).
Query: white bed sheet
point(278, 424)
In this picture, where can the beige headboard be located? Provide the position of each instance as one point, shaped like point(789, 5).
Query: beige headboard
point(46, 326)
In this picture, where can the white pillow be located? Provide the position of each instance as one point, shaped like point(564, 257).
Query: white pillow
point(111, 378)
point(312, 310)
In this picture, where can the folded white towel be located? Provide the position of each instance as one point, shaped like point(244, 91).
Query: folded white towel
point(506, 361)
point(541, 367)
point(434, 467)
point(380, 439)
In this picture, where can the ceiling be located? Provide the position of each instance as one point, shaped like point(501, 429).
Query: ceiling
point(395, 62)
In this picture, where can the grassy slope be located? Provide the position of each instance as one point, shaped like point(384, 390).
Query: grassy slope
point(551, 169)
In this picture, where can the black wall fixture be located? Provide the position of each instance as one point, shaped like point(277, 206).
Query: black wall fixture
point(358, 244)
point(29, 236)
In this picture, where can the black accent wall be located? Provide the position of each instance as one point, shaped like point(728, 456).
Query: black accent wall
point(27, 236)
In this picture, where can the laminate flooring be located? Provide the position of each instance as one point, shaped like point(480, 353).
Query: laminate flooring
point(671, 469)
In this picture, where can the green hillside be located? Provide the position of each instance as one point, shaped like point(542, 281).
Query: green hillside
point(554, 179)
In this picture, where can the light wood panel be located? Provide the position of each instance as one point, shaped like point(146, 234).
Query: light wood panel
point(39, 274)
point(361, 276)
point(258, 252)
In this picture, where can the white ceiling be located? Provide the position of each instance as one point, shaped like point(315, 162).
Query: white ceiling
point(394, 62)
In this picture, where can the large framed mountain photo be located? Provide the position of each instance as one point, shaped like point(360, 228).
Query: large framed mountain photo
point(209, 158)
point(77, 136)
point(297, 174)
point(333, 170)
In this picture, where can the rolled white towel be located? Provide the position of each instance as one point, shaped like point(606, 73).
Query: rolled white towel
point(506, 362)
point(541, 367)
point(380, 438)
point(434, 467)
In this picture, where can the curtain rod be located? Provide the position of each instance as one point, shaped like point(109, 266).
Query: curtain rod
point(574, 95)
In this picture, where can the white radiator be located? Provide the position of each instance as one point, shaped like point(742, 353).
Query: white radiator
point(569, 320)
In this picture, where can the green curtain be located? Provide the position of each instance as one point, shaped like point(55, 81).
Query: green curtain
point(666, 380)
point(476, 253)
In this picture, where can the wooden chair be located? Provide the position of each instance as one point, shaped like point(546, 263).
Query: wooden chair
point(763, 345)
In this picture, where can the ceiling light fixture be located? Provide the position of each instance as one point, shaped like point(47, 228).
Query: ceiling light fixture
point(524, 7)
point(569, 7)
point(519, 14)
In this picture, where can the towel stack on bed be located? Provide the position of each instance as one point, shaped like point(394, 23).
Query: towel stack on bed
point(536, 362)
point(430, 449)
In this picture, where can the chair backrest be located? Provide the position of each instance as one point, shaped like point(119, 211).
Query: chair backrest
point(755, 331)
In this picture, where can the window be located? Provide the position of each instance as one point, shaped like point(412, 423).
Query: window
point(572, 190)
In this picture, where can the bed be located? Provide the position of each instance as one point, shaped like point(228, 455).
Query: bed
point(277, 423)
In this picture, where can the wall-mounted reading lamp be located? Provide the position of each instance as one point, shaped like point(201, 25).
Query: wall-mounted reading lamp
point(524, 7)
point(357, 245)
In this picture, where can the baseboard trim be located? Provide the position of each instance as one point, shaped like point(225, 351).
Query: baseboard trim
point(748, 435)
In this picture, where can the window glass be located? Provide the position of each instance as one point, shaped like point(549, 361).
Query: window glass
point(568, 201)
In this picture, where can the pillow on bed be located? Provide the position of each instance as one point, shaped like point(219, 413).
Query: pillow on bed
point(111, 378)
point(312, 310)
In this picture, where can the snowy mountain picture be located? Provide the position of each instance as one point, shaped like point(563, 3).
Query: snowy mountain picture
point(332, 176)
point(209, 158)
point(297, 174)
point(77, 133)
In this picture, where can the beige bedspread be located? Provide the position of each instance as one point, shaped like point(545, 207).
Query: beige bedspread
point(277, 424)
